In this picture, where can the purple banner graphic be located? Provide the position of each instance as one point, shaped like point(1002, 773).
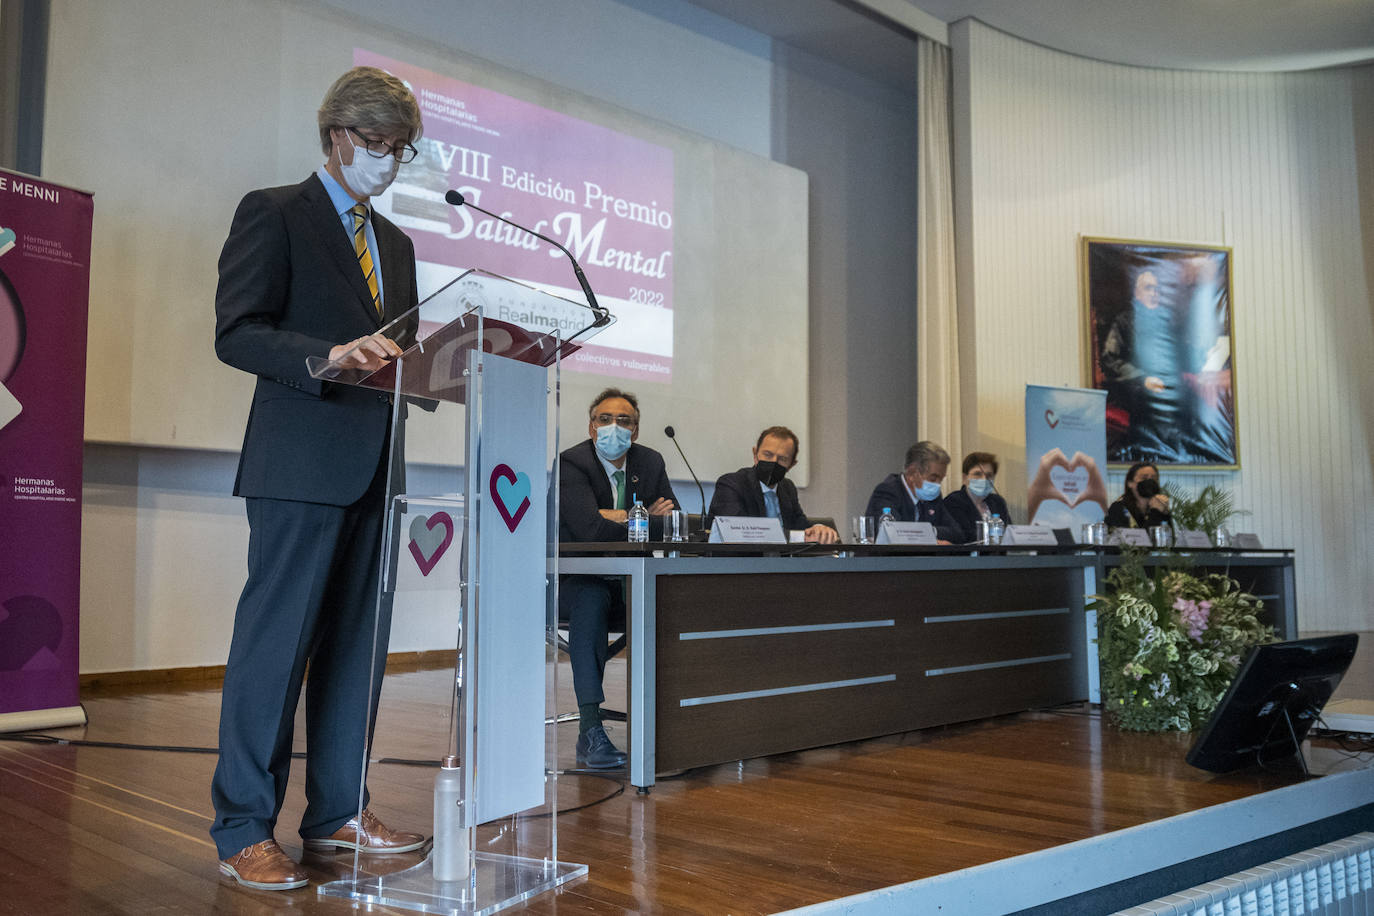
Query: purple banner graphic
point(605, 196)
point(45, 249)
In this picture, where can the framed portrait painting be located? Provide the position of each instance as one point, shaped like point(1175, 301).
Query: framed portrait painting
point(1159, 327)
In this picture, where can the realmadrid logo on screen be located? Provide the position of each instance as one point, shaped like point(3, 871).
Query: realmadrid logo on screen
point(7, 240)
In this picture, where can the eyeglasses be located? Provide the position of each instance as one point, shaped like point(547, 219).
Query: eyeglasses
point(380, 149)
point(622, 420)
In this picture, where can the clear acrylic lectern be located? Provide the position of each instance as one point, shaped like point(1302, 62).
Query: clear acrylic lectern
point(479, 561)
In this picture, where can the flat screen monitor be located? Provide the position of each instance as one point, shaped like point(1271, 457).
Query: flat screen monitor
point(1276, 696)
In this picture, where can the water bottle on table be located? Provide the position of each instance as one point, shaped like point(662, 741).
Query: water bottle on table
point(638, 522)
point(886, 521)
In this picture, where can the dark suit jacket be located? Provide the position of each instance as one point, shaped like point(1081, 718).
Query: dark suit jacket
point(739, 494)
point(965, 514)
point(584, 489)
point(290, 288)
point(892, 493)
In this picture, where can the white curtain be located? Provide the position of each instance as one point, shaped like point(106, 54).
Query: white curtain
point(937, 325)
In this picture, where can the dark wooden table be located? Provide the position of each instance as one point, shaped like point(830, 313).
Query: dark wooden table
point(735, 653)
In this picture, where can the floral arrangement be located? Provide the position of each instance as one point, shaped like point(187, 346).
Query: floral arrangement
point(1169, 644)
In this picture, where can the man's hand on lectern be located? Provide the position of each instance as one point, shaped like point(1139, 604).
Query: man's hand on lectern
point(368, 353)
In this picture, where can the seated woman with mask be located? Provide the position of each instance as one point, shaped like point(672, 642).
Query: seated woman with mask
point(1143, 504)
point(978, 500)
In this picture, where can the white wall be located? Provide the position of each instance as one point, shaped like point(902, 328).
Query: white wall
point(163, 541)
point(1051, 147)
point(857, 142)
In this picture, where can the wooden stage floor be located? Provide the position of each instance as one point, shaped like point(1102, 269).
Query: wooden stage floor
point(96, 830)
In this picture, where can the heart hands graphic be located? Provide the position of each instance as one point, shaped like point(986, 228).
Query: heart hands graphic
point(1069, 480)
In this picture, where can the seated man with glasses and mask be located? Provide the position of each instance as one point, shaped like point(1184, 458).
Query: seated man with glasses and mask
point(601, 477)
point(760, 491)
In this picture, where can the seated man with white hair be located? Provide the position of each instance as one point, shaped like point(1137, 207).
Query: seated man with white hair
point(913, 495)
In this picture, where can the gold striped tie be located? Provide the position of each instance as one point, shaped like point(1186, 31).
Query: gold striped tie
point(364, 256)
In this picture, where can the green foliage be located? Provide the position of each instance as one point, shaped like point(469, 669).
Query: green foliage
point(1169, 643)
point(1209, 510)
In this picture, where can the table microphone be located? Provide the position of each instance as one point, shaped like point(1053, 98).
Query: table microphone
point(603, 317)
point(668, 431)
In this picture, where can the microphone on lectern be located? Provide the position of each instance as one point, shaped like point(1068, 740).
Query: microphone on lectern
point(603, 317)
point(668, 431)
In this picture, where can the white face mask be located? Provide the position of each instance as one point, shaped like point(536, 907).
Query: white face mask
point(367, 175)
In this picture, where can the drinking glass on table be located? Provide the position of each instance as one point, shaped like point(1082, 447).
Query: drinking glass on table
point(675, 526)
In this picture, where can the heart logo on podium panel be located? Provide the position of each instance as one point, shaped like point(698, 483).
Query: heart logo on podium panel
point(507, 489)
point(430, 537)
point(1051, 418)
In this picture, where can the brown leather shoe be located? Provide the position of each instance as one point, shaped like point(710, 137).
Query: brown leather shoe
point(264, 866)
point(367, 835)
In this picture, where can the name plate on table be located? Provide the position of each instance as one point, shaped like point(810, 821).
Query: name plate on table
point(1246, 541)
point(742, 529)
point(1135, 537)
point(921, 534)
point(1191, 537)
point(1030, 536)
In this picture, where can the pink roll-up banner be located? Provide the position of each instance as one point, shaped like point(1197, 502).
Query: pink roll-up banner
point(45, 254)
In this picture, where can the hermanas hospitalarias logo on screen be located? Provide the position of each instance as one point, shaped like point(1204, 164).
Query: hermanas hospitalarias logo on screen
point(7, 240)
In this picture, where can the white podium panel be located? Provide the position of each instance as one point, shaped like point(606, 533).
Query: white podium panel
point(510, 641)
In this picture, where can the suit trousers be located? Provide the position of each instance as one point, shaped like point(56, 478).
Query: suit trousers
point(592, 606)
point(310, 602)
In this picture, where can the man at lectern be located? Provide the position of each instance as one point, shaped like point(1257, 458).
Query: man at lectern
point(761, 490)
point(311, 270)
point(601, 478)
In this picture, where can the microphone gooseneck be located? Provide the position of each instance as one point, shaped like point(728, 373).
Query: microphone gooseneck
point(668, 431)
point(603, 316)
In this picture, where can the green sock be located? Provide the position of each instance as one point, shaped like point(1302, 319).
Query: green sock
point(589, 717)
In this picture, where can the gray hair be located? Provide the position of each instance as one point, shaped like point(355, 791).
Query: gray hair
point(373, 100)
point(608, 393)
point(924, 454)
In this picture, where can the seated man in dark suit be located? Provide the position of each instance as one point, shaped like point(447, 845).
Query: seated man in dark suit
point(914, 494)
point(601, 477)
point(760, 491)
point(977, 500)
